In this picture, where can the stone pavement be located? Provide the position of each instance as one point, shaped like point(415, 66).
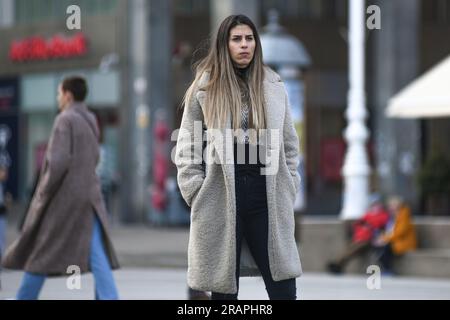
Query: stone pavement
point(140, 246)
point(154, 262)
point(170, 284)
point(143, 246)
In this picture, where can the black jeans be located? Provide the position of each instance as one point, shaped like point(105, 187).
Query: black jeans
point(252, 224)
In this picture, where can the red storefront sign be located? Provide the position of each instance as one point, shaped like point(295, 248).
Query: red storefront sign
point(57, 47)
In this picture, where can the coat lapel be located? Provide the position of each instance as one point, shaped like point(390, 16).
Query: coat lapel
point(226, 158)
point(275, 113)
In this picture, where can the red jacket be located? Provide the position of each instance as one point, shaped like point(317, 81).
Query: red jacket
point(373, 221)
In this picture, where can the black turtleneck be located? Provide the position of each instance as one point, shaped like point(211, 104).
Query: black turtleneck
point(242, 73)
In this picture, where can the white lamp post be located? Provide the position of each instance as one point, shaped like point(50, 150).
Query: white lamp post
point(356, 169)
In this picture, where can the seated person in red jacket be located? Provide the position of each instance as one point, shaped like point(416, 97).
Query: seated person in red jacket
point(365, 231)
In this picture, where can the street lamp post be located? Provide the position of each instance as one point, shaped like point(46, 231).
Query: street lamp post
point(356, 168)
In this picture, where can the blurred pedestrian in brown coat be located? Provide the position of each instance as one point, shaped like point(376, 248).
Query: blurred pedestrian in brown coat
point(66, 224)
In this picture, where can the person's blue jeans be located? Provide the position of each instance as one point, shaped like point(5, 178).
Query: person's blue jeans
point(2, 233)
point(105, 287)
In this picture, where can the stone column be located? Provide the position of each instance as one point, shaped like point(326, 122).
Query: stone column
point(161, 86)
point(135, 158)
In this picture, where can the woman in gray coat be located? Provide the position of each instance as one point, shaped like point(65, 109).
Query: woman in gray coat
point(242, 182)
point(66, 228)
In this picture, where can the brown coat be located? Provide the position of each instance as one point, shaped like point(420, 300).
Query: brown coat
point(58, 228)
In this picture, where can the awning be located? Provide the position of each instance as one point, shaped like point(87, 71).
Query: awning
point(426, 97)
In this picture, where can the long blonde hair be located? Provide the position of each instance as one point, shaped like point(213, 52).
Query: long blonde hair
point(223, 93)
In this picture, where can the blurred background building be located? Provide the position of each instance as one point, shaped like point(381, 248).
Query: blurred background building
point(137, 57)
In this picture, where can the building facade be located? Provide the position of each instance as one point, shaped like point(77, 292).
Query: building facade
point(28, 83)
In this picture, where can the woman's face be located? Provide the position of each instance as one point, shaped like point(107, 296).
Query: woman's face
point(241, 45)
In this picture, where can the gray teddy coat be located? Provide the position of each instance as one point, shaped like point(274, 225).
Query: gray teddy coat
point(210, 192)
point(58, 228)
